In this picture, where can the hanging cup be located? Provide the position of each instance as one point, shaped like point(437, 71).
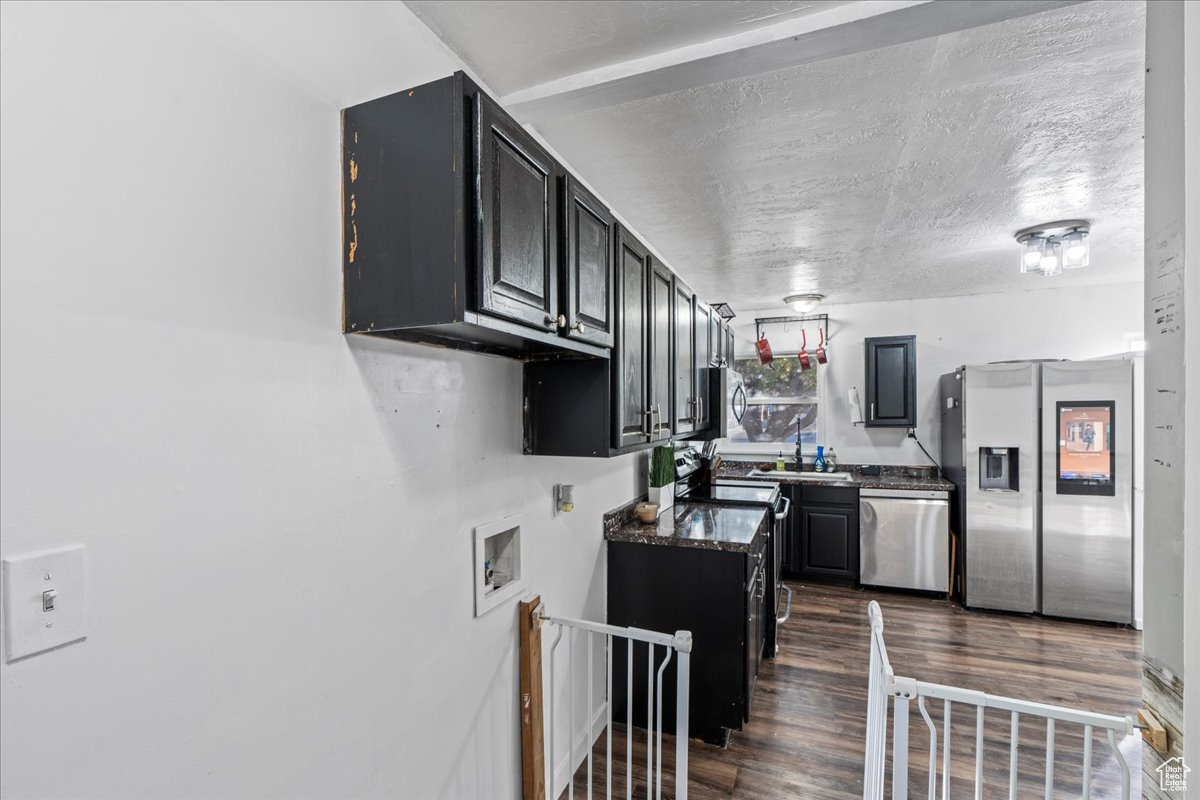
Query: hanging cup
point(764, 350)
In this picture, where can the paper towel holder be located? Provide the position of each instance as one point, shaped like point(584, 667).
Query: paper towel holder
point(856, 417)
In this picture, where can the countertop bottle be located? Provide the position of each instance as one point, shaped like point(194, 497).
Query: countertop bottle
point(819, 464)
point(831, 461)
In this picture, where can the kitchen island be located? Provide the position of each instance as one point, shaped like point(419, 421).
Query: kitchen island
point(701, 568)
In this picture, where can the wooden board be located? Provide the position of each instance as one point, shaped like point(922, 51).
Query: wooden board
point(533, 752)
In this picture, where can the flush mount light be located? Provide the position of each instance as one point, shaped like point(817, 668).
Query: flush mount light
point(804, 303)
point(1049, 249)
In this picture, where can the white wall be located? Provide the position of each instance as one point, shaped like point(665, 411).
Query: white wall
point(278, 518)
point(1083, 322)
point(1191, 630)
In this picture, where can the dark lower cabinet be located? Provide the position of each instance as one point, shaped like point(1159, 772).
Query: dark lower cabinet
point(716, 595)
point(829, 544)
point(822, 541)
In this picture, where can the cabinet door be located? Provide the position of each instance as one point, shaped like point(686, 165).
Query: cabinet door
point(684, 330)
point(630, 362)
point(891, 381)
point(829, 543)
point(791, 533)
point(716, 339)
point(517, 239)
point(729, 342)
point(588, 274)
point(703, 316)
point(662, 348)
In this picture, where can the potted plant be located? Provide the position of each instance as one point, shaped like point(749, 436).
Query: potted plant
point(662, 476)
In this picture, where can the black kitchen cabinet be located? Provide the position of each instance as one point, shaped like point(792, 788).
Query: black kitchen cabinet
point(451, 216)
point(891, 381)
point(684, 371)
point(517, 225)
point(661, 350)
point(829, 544)
point(729, 344)
point(631, 357)
point(716, 339)
point(587, 298)
point(702, 317)
point(712, 593)
point(821, 544)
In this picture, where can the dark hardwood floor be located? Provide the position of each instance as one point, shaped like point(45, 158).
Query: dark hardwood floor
point(808, 723)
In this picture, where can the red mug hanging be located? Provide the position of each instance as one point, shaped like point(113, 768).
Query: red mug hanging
point(821, 357)
point(803, 354)
point(764, 349)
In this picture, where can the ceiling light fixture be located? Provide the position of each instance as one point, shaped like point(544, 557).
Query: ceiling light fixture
point(1049, 249)
point(804, 303)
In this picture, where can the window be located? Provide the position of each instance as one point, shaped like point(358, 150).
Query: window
point(782, 402)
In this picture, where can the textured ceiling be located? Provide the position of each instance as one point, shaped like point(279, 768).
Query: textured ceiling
point(894, 173)
point(520, 43)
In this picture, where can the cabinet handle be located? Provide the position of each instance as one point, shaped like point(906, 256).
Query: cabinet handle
point(647, 426)
point(579, 327)
point(556, 322)
point(872, 411)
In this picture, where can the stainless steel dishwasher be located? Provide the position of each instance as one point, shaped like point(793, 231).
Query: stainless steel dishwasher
point(904, 539)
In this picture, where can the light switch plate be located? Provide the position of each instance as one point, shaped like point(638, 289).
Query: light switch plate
point(28, 627)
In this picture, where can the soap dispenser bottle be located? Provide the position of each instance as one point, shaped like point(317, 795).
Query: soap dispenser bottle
point(819, 464)
point(831, 461)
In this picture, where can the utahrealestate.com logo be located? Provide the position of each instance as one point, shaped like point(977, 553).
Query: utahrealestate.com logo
point(1172, 775)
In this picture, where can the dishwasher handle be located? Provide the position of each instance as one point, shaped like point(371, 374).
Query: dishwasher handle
point(906, 494)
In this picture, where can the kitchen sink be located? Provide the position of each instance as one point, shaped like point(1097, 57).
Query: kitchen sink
point(804, 476)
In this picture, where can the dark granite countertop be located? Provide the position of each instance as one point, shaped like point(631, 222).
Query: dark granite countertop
point(890, 477)
point(735, 529)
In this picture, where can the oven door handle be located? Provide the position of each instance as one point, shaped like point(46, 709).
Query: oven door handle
point(788, 608)
point(787, 509)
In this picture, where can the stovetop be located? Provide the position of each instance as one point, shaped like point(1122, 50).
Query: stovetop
point(734, 493)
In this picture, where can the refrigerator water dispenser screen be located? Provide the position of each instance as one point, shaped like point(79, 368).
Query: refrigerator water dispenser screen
point(1086, 457)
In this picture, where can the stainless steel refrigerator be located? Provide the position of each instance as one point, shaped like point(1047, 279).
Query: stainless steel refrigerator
point(1041, 454)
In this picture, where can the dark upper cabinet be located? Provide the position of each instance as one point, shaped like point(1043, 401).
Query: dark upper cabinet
point(588, 260)
point(716, 339)
point(631, 356)
point(517, 226)
point(729, 341)
point(891, 381)
point(451, 216)
point(661, 350)
point(703, 317)
point(684, 371)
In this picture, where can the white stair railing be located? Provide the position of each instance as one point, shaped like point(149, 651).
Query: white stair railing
point(885, 684)
point(677, 646)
